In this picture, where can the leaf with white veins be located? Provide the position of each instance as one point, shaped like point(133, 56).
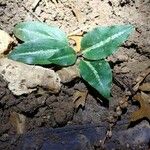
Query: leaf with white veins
point(104, 41)
point(66, 57)
point(41, 51)
point(33, 30)
point(98, 74)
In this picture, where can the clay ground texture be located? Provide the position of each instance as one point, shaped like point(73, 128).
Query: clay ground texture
point(42, 109)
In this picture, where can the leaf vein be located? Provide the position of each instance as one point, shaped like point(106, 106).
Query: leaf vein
point(102, 43)
point(49, 52)
point(95, 73)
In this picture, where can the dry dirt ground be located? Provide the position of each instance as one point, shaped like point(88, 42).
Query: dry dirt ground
point(41, 109)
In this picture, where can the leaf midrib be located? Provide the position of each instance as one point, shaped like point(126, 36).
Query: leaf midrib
point(52, 51)
point(102, 43)
point(95, 73)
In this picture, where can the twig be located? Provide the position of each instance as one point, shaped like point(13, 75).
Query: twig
point(32, 13)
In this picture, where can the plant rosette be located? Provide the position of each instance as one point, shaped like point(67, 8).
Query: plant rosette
point(45, 44)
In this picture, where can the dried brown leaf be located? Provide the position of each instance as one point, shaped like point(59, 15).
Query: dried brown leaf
point(77, 40)
point(145, 87)
point(144, 111)
point(18, 121)
point(79, 98)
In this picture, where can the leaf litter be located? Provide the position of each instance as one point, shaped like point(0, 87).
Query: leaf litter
point(142, 97)
point(77, 40)
point(79, 98)
point(144, 111)
point(145, 87)
point(18, 122)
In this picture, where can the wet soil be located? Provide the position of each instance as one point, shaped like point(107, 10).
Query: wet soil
point(41, 109)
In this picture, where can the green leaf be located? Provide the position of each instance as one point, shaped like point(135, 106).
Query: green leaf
point(104, 41)
point(33, 30)
point(44, 51)
point(98, 74)
point(64, 58)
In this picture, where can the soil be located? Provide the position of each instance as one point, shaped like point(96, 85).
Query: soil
point(41, 109)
